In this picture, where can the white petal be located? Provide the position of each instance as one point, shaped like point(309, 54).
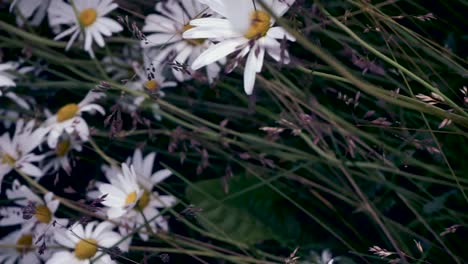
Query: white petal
point(250, 72)
point(31, 170)
point(160, 176)
point(217, 52)
point(280, 33)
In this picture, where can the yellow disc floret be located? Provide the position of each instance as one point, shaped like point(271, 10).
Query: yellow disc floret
point(67, 112)
point(24, 243)
point(193, 42)
point(43, 214)
point(86, 249)
point(259, 24)
point(62, 148)
point(151, 85)
point(87, 17)
point(131, 198)
point(144, 201)
point(7, 159)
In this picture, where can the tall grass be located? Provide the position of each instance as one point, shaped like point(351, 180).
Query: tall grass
point(339, 149)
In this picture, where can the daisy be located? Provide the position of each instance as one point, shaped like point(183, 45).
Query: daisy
point(150, 80)
point(34, 10)
point(68, 119)
point(15, 152)
point(60, 156)
point(23, 252)
point(31, 211)
point(146, 210)
point(87, 244)
point(247, 30)
point(87, 17)
point(122, 194)
point(167, 29)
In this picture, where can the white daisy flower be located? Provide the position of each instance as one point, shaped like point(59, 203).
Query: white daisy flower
point(27, 9)
point(42, 210)
point(23, 252)
point(68, 119)
point(247, 30)
point(149, 202)
point(87, 244)
point(150, 80)
point(167, 29)
point(15, 152)
point(9, 72)
point(122, 194)
point(85, 15)
point(60, 156)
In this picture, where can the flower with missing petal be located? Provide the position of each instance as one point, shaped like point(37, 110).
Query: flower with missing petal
point(247, 30)
point(85, 245)
point(122, 193)
point(15, 152)
point(86, 17)
point(68, 119)
point(166, 31)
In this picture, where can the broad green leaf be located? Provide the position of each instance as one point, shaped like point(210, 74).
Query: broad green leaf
point(245, 214)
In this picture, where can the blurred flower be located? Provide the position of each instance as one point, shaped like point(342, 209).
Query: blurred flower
point(87, 244)
point(8, 75)
point(119, 64)
point(68, 119)
point(23, 252)
point(88, 16)
point(15, 151)
point(168, 29)
point(149, 202)
point(122, 194)
point(32, 212)
point(27, 9)
point(247, 30)
point(150, 80)
point(60, 155)
point(9, 117)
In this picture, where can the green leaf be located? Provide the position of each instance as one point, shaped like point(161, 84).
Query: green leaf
point(250, 213)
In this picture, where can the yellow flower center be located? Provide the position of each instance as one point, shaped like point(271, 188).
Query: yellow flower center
point(24, 243)
point(259, 25)
point(62, 148)
point(67, 112)
point(86, 249)
point(151, 85)
point(144, 201)
point(193, 42)
point(131, 198)
point(43, 214)
point(9, 160)
point(87, 17)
